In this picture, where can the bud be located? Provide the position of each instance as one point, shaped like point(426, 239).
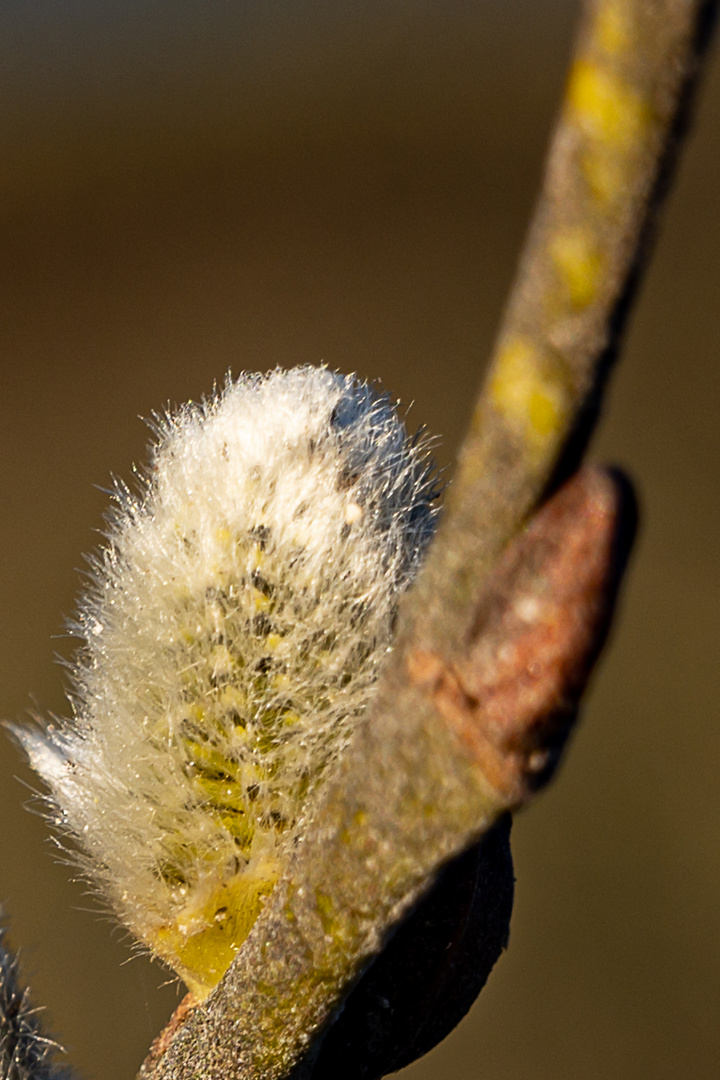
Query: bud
point(231, 636)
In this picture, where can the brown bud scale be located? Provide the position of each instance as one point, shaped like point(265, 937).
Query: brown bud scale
point(538, 629)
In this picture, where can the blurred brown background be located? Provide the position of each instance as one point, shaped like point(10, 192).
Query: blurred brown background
point(191, 187)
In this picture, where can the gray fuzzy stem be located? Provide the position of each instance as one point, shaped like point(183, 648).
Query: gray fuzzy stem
point(25, 1052)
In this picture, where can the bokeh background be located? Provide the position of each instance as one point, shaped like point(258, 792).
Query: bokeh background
point(197, 186)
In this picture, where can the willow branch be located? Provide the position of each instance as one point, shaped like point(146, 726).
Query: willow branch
point(448, 748)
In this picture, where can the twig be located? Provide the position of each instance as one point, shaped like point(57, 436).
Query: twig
point(453, 740)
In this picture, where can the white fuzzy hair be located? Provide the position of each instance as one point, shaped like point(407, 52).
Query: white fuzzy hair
point(231, 636)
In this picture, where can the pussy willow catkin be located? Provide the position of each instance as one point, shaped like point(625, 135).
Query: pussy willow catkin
point(231, 635)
